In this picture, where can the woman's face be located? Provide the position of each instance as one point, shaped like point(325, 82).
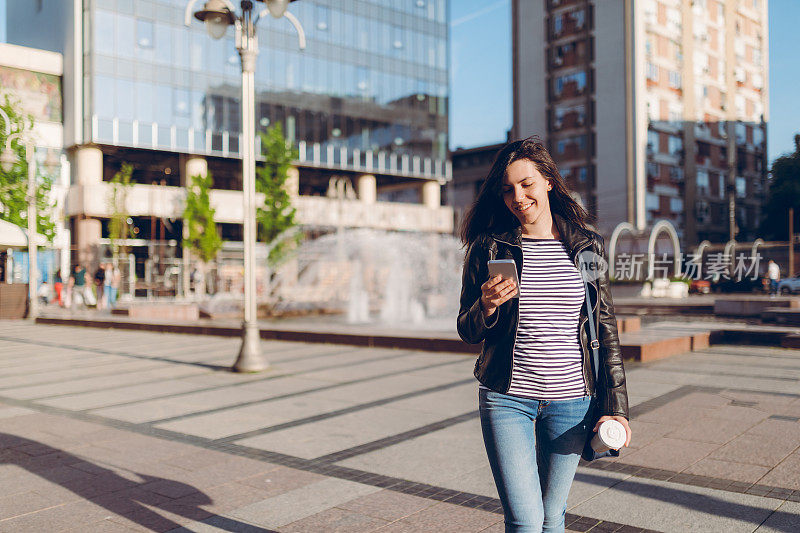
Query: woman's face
point(525, 191)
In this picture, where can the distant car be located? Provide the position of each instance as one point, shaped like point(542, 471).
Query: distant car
point(789, 285)
point(700, 286)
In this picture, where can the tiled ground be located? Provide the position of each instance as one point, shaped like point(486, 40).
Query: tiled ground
point(135, 431)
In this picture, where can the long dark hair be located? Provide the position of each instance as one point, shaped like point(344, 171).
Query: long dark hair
point(489, 213)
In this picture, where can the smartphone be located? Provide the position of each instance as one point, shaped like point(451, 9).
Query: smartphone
point(506, 268)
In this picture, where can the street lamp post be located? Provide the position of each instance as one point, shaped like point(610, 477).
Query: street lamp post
point(7, 160)
point(217, 16)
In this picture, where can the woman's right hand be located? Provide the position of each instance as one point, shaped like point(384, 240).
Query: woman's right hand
point(495, 292)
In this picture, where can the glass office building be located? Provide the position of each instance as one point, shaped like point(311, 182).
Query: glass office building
point(372, 80)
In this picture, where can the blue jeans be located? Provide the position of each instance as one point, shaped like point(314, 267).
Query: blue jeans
point(111, 295)
point(533, 448)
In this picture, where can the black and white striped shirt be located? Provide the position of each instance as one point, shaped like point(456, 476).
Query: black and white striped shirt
point(547, 353)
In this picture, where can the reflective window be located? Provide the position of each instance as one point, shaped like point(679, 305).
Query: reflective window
point(163, 44)
point(144, 33)
point(126, 39)
point(164, 104)
point(145, 102)
point(104, 32)
point(104, 92)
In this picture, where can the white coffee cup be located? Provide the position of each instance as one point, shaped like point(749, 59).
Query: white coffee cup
point(610, 436)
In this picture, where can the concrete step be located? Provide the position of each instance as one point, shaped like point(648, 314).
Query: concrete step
point(753, 305)
point(650, 344)
point(781, 315)
point(791, 340)
point(628, 324)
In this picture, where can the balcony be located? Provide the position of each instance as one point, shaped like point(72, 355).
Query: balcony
point(316, 211)
point(153, 136)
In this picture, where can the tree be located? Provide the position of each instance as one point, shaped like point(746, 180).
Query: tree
point(277, 214)
point(784, 192)
point(118, 227)
point(202, 239)
point(14, 183)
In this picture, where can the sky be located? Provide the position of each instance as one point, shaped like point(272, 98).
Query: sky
point(480, 73)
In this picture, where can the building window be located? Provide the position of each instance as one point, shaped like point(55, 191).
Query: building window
point(741, 187)
point(652, 141)
point(651, 201)
point(570, 85)
point(674, 79)
point(721, 189)
point(675, 145)
point(741, 133)
point(580, 18)
point(652, 71)
point(558, 25)
point(703, 213)
point(676, 205)
point(702, 182)
point(144, 33)
point(652, 169)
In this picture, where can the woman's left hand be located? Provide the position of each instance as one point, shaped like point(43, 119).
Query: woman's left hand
point(622, 420)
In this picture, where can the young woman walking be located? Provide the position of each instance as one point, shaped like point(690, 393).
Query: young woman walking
point(537, 394)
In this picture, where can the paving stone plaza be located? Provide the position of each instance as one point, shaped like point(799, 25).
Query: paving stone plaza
point(109, 430)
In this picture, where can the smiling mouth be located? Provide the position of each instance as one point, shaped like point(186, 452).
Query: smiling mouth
point(524, 207)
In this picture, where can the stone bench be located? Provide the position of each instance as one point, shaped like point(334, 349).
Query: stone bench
point(166, 311)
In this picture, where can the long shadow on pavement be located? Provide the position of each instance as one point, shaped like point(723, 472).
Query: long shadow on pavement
point(779, 520)
point(210, 366)
point(119, 495)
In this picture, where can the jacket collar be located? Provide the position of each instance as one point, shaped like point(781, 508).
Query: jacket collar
point(573, 236)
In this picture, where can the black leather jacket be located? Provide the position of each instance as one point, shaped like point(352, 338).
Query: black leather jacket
point(493, 367)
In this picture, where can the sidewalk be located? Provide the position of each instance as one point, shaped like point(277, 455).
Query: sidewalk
point(113, 430)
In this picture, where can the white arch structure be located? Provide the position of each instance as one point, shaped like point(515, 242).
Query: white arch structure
point(754, 248)
point(658, 227)
point(698, 252)
point(612, 244)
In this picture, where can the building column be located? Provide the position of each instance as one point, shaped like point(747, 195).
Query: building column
point(292, 184)
point(87, 171)
point(367, 189)
point(432, 194)
point(192, 166)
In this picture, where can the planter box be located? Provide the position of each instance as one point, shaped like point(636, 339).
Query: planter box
point(13, 300)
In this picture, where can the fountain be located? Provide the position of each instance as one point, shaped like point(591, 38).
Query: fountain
point(374, 276)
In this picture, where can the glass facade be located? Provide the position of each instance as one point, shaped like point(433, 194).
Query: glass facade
point(373, 78)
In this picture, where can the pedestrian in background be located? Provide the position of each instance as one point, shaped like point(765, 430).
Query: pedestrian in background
point(112, 281)
point(774, 275)
point(537, 395)
point(99, 283)
point(77, 286)
point(58, 286)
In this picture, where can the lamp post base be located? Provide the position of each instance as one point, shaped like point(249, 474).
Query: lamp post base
point(250, 358)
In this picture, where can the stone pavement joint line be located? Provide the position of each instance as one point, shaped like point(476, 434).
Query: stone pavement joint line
point(346, 410)
point(282, 396)
point(99, 389)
